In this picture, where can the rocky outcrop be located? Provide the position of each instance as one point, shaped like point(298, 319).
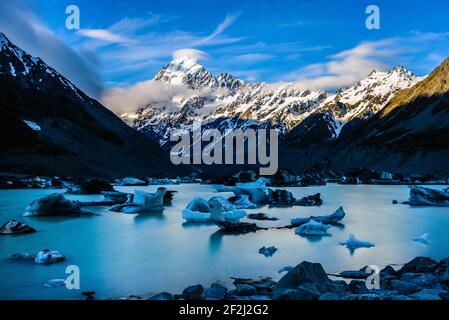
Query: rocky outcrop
point(15, 227)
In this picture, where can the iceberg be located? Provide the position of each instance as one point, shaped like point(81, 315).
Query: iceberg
point(143, 202)
point(217, 209)
point(313, 228)
point(223, 211)
point(242, 202)
point(198, 210)
point(331, 219)
point(421, 196)
point(353, 243)
point(424, 239)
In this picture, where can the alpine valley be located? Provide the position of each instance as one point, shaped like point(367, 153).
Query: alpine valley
point(392, 120)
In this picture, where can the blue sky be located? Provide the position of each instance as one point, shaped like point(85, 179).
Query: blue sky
point(323, 44)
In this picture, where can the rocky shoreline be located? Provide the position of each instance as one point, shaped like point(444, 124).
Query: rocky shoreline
point(420, 279)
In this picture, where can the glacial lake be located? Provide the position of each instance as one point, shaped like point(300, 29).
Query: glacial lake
point(121, 254)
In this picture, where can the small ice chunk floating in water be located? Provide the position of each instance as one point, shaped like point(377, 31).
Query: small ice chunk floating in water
point(424, 239)
point(353, 243)
point(54, 205)
point(421, 196)
point(216, 209)
point(143, 202)
point(313, 229)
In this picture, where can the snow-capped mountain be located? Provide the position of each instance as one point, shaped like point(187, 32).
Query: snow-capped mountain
point(32, 71)
point(223, 102)
point(187, 71)
point(340, 112)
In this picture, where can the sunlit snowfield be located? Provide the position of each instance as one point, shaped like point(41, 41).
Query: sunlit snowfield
point(119, 255)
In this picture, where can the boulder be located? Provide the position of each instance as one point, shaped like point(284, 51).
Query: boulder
point(261, 217)
point(312, 273)
point(357, 287)
point(403, 287)
point(419, 265)
point(54, 205)
point(15, 227)
point(94, 186)
point(215, 292)
point(310, 201)
point(193, 292)
point(246, 290)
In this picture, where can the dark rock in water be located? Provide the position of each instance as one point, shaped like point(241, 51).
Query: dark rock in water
point(15, 227)
point(421, 196)
point(215, 292)
point(281, 198)
point(403, 287)
point(307, 273)
point(95, 186)
point(310, 201)
point(395, 202)
point(54, 205)
point(332, 219)
point(246, 290)
point(238, 227)
point(268, 252)
point(261, 217)
point(193, 292)
point(419, 265)
point(168, 196)
point(162, 296)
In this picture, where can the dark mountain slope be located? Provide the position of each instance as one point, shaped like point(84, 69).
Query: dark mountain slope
point(67, 132)
point(410, 135)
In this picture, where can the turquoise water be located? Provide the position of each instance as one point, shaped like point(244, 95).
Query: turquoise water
point(119, 255)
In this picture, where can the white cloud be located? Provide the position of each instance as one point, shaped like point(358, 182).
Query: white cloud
point(347, 67)
point(190, 53)
point(228, 21)
point(103, 35)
